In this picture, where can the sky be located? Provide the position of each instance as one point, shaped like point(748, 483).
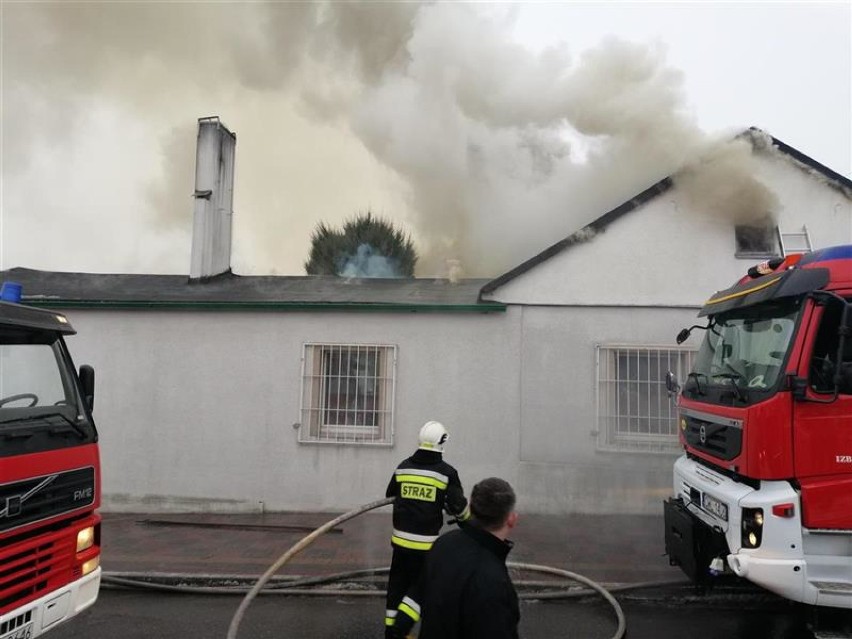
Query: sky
point(487, 131)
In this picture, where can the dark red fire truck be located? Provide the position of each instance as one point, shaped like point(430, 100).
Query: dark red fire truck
point(764, 487)
point(49, 474)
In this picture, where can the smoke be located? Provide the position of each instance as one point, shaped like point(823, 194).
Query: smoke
point(482, 130)
point(430, 115)
point(366, 262)
point(722, 183)
point(454, 271)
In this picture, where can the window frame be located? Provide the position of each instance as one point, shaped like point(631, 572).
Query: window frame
point(316, 394)
point(772, 231)
point(609, 434)
point(824, 342)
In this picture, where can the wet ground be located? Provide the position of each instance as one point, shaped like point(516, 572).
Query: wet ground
point(615, 550)
point(608, 548)
point(135, 615)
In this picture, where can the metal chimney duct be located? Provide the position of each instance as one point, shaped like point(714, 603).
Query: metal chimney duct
point(214, 200)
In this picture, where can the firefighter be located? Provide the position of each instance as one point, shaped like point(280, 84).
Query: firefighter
point(423, 486)
point(464, 590)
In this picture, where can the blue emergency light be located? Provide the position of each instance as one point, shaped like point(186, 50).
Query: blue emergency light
point(11, 292)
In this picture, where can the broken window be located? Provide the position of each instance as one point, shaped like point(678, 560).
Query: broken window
point(759, 240)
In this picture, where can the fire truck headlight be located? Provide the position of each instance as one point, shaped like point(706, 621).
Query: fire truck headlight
point(89, 566)
point(85, 538)
point(752, 529)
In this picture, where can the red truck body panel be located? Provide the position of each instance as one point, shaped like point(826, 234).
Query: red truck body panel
point(806, 442)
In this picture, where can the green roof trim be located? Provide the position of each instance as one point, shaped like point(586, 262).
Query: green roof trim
point(358, 307)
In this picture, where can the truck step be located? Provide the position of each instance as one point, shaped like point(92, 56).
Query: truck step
point(835, 587)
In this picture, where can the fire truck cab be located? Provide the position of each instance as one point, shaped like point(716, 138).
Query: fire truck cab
point(49, 475)
point(764, 487)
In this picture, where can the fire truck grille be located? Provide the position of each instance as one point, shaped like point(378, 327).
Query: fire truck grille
point(38, 498)
point(32, 564)
point(720, 440)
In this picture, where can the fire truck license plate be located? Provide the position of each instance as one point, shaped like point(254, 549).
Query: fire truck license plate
point(24, 632)
point(714, 506)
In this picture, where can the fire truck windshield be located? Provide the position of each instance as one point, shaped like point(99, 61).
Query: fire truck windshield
point(39, 399)
point(745, 349)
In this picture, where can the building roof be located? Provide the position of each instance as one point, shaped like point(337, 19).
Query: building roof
point(327, 293)
point(834, 179)
point(239, 292)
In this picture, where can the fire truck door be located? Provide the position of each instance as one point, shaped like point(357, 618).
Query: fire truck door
point(822, 431)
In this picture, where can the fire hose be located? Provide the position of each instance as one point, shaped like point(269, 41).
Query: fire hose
point(309, 539)
point(294, 586)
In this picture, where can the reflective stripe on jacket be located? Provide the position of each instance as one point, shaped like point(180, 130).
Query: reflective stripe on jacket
point(423, 487)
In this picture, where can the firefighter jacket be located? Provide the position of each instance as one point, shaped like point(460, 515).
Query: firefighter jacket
point(464, 590)
point(423, 486)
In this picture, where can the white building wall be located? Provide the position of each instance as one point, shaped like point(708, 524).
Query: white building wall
point(561, 469)
point(665, 254)
point(195, 409)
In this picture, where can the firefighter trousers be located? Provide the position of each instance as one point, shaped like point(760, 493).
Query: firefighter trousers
point(404, 570)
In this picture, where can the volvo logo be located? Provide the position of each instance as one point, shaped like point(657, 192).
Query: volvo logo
point(13, 507)
point(15, 503)
point(702, 434)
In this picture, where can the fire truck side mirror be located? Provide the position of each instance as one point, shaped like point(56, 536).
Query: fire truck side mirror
point(87, 381)
point(671, 383)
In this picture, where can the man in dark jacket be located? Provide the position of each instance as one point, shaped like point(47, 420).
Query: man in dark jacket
point(423, 487)
point(464, 590)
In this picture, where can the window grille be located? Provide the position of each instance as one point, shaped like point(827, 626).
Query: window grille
point(634, 411)
point(348, 393)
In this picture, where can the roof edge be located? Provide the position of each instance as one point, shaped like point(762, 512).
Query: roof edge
point(807, 160)
point(377, 307)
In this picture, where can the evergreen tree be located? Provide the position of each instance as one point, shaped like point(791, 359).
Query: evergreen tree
point(367, 246)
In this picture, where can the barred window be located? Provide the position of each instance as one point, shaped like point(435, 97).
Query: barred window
point(348, 393)
point(634, 410)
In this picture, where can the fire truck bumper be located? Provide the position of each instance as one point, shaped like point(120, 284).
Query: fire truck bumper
point(785, 577)
point(41, 615)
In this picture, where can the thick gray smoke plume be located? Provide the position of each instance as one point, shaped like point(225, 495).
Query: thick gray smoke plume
point(721, 183)
point(430, 115)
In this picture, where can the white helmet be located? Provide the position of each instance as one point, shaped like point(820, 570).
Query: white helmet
point(433, 436)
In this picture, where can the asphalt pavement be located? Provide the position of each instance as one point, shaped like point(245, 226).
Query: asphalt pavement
point(209, 549)
point(611, 549)
point(142, 615)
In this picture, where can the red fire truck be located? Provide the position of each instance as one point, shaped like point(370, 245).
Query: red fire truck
point(764, 488)
point(49, 474)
